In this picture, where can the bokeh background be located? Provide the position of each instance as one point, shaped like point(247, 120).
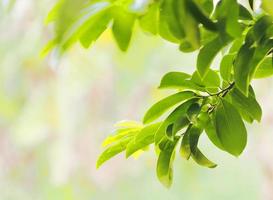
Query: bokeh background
point(56, 111)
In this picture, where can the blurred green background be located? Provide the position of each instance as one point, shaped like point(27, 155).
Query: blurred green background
point(55, 112)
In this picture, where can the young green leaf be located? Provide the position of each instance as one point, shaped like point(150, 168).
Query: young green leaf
point(162, 106)
point(95, 28)
point(230, 128)
point(113, 150)
point(120, 134)
point(142, 139)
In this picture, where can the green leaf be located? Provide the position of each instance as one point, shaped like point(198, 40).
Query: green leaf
point(165, 163)
point(150, 20)
point(247, 62)
point(95, 28)
point(185, 149)
point(201, 159)
point(227, 12)
point(162, 106)
point(128, 124)
point(210, 130)
point(164, 30)
point(123, 27)
point(260, 26)
point(210, 80)
point(113, 150)
point(144, 138)
point(120, 134)
point(168, 14)
point(200, 16)
point(178, 113)
point(244, 14)
point(207, 54)
point(248, 104)
point(265, 69)
point(251, 4)
point(179, 124)
point(230, 128)
point(178, 80)
point(226, 67)
point(267, 6)
point(185, 19)
point(189, 147)
point(241, 67)
point(233, 27)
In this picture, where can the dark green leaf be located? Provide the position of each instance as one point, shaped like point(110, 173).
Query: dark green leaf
point(210, 80)
point(200, 16)
point(230, 128)
point(165, 163)
point(178, 113)
point(207, 54)
point(226, 67)
point(248, 104)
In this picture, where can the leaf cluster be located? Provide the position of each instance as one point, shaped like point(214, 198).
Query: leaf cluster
point(217, 103)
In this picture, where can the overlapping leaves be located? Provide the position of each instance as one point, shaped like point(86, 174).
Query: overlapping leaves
point(212, 102)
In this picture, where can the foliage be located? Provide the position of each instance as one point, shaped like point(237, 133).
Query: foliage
point(216, 102)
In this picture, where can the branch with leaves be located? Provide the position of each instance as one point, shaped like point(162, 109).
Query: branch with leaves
point(217, 103)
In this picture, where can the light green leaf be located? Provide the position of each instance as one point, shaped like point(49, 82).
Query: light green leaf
point(168, 14)
point(123, 27)
point(150, 20)
point(265, 69)
point(230, 128)
point(113, 150)
point(178, 80)
point(95, 28)
point(142, 139)
point(162, 106)
point(120, 134)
